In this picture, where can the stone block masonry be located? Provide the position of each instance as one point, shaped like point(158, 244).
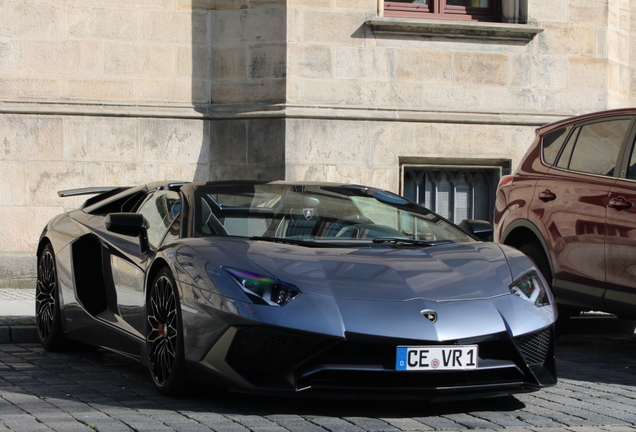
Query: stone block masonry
point(121, 92)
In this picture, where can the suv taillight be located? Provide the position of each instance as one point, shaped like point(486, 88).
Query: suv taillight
point(505, 180)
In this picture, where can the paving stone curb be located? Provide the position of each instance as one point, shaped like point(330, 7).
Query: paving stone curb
point(18, 330)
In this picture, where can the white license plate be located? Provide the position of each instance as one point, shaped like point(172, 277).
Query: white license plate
point(450, 357)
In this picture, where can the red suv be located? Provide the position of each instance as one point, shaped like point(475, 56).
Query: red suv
point(571, 206)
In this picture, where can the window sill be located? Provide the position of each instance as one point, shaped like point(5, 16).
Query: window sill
point(454, 29)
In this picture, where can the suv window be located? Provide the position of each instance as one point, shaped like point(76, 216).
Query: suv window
point(631, 168)
point(553, 142)
point(594, 149)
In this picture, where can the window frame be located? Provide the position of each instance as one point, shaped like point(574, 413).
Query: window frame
point(438, 9)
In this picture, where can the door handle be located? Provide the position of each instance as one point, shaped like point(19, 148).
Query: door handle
point(620, 203)
point(547, 195)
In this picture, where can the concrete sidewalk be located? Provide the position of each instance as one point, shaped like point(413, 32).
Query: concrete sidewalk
point(17, 315)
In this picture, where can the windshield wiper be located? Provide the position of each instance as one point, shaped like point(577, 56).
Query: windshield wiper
point(403, 241)
point(341, 242)
point(294, 241)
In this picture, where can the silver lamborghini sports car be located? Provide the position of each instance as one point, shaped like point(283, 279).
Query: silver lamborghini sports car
point(294, 288)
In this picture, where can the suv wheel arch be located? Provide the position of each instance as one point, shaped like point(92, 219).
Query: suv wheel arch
point(523, 233)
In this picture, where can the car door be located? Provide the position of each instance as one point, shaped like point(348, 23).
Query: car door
point(620, 238)
point(571, 201)
point(161, 210)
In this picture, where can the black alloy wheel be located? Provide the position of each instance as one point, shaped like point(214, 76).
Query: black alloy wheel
point(47, 306)
point(164, 340)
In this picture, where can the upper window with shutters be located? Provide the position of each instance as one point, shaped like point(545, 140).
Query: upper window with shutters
point(473, 10)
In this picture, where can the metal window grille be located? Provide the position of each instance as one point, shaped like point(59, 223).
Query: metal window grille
point(455, 193)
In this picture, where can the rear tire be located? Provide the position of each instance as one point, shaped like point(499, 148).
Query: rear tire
point(48, 318)
point(537, 255)
point(164, 336)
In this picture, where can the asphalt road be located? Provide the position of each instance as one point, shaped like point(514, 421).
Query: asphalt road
point(102, 391)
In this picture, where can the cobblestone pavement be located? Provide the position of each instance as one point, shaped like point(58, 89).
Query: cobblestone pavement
point(103, 391)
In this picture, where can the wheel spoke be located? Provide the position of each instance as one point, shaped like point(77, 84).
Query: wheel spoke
point(162, 330)
point(45, 295)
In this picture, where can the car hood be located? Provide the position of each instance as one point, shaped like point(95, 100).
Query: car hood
point(451, 272)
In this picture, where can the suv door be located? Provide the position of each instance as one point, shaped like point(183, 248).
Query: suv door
point(620, 238)
point(571, 201)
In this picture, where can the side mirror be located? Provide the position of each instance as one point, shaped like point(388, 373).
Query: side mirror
point(129, 224)
point(481, 229)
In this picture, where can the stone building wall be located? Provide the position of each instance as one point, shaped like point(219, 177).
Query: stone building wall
point(116, 92)
point(369, 99)
point(119, 92)
point(248, 92)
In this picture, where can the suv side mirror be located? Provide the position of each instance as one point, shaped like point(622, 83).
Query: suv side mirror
point(481, 229)
point(129, 224)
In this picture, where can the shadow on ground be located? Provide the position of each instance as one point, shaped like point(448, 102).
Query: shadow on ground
point(102, 378)
point(598, 349)
point(597, 352)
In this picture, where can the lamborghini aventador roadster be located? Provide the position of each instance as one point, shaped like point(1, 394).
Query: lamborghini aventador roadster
point(294, 288)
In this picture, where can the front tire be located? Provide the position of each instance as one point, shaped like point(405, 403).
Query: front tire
point(164, 336)
point(48, 318)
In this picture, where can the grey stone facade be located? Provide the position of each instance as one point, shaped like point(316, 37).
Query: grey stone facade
point(122, 92)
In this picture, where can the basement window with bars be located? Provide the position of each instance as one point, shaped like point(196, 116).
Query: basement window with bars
point(454, 192)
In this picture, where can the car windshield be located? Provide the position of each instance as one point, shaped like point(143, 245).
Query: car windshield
point(317, 213)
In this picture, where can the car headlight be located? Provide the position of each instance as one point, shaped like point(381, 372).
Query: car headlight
point(530, 287)
point(262, 289)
